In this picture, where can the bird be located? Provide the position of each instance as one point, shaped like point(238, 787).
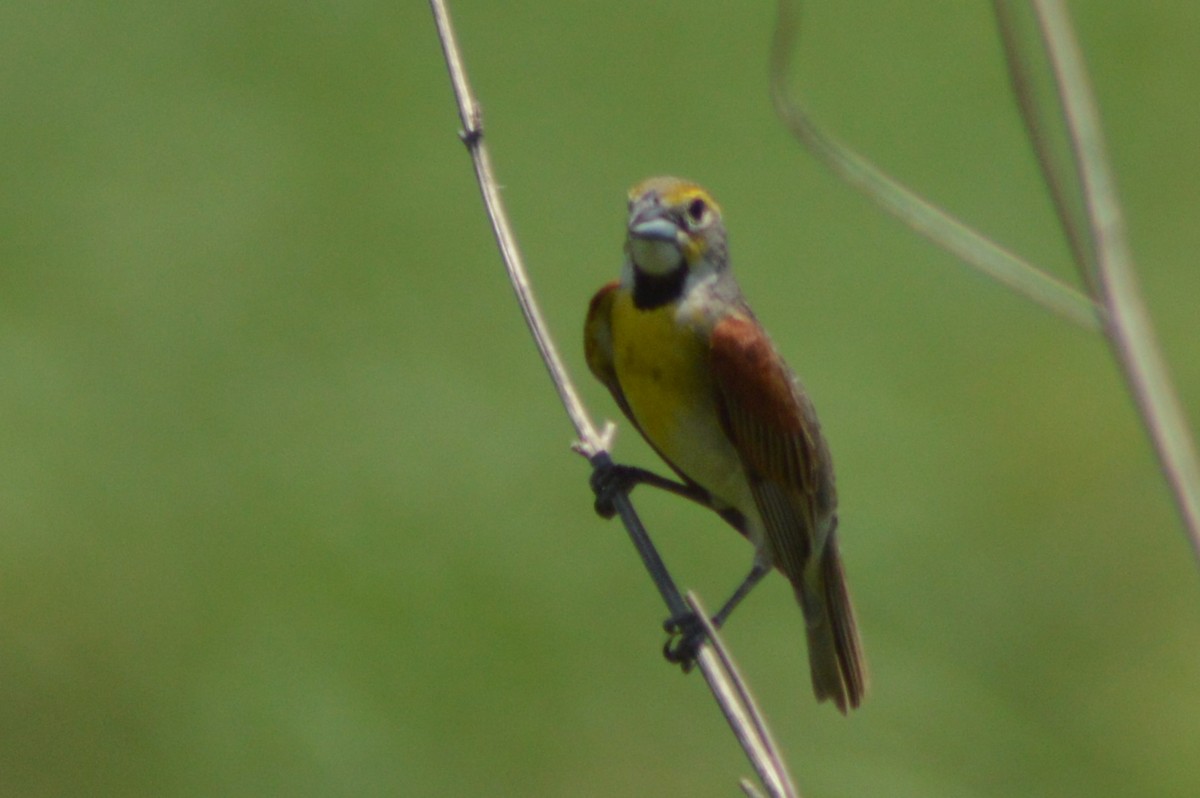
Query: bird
point(694, 371)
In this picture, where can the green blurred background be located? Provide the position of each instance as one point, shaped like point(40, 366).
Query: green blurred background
point(286, 500)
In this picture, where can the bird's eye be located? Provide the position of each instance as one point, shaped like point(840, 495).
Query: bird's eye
point(697, 210)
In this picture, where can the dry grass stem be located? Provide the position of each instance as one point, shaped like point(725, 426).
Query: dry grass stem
point(920, 215)
point(1095, 236)
point(1128, 329)
point(726, 685)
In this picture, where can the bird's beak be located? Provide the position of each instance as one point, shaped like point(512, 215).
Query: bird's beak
point(655, 243)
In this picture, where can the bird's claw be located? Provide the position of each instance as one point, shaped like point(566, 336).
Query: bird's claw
point(607, 481)
point(686, 635)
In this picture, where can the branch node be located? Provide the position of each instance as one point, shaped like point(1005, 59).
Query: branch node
point(602, 442)
point(473, 133)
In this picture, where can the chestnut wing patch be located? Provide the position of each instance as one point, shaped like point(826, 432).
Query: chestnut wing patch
point(774, 431)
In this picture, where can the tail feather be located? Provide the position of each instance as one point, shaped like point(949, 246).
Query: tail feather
point(834, 651)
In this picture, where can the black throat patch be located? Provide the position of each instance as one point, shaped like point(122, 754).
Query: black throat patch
point(650, 291)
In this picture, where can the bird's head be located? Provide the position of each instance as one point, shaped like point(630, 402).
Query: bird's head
point(675, 232)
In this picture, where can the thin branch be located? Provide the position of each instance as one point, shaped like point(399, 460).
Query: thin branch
point(918, 214)
point(724, 678)
point(471, 134)
point(1129, 329)
point(749, 788)
point(1020, 74)
point(1101, 252)
point(727, 687)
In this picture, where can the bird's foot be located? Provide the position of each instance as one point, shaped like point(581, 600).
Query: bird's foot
point(608, 480)
point(686, 635)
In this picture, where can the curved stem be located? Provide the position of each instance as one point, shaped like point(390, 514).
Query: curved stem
point(1128, 329)
point(719, 672)
point(918, 214)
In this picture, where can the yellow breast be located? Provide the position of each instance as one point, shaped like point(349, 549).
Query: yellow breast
point(662, 362)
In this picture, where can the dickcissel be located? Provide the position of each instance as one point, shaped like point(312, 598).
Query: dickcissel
point(676, 344)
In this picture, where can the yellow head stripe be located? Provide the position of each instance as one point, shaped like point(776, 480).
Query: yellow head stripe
point(673, 192)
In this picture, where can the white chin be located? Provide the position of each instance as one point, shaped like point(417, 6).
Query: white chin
point(655, 257)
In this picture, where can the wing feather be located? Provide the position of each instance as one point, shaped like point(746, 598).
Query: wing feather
point(598, 344)
point(774, 427)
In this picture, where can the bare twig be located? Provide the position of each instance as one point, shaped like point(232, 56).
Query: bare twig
point(719, 672)
point(749, 788)
point(921, 216)
point(1097, 242)
point(472, 135)
point(724, 678)
point(1129, 330)
point(1020, 74)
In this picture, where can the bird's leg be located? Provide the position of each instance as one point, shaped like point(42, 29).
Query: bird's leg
point(687, 633)
point(609, 479)
point(757, 572)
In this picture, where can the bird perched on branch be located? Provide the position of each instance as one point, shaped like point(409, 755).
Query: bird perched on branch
point(687, 362)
